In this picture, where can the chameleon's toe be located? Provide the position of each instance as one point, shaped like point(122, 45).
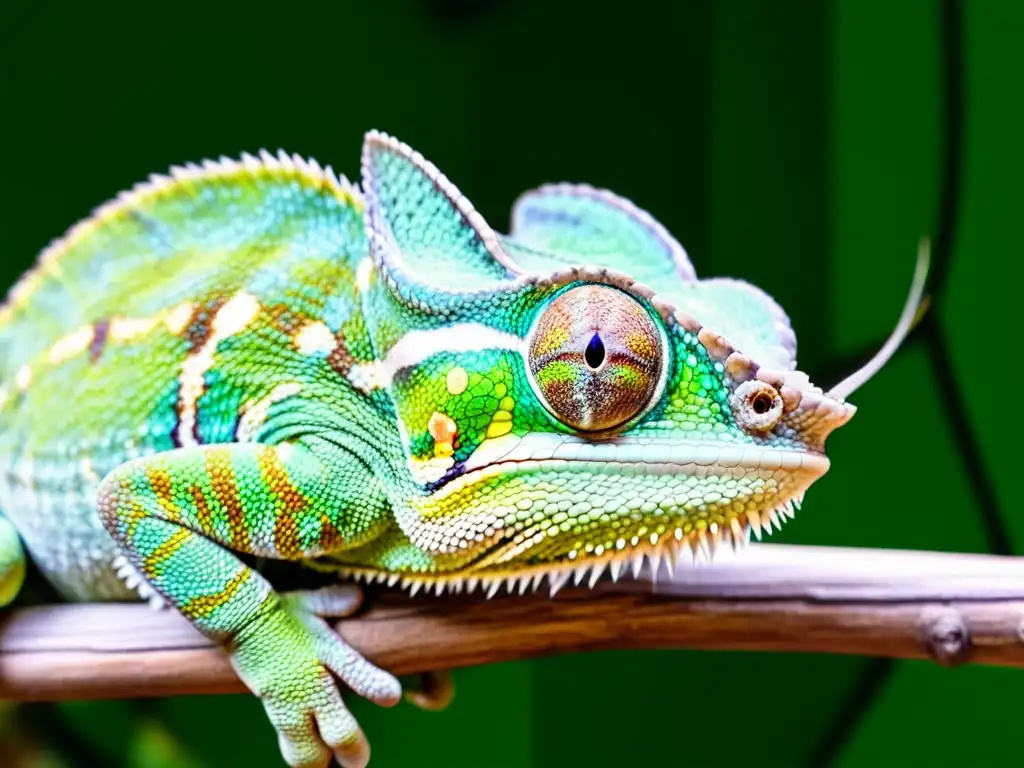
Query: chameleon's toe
point(360, 675)
point(342, 734)
point(433, 691)
point(300, 745)
point(308, 739)
point(335, 601)
point(357, 673)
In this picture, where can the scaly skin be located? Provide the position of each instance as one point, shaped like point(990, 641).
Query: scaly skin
point(257, 358)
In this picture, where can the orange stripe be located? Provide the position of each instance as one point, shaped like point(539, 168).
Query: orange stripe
point(204, 516)
point(293, 503)
point(222, 477)
point(202, 607)
point(330, 537)
point(165, 550)
point(286, 536)
point(276, 476)
point(162, 485)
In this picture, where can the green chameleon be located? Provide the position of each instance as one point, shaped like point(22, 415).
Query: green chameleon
point(255, 357)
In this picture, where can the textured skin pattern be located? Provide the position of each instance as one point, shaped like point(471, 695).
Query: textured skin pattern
point(565, 221)
point(254, 358)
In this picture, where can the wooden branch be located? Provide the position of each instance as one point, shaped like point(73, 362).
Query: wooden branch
point(950, 607)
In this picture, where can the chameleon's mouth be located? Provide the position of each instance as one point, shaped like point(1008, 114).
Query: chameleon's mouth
point(511, 452)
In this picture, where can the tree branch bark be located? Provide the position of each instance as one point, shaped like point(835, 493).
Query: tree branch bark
point(953, 608)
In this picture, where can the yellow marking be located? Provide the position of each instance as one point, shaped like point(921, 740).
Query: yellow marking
point(235, 315)
point(23, 378)
point(128, 328)
point(364, 274)
point(457, 380)
point(163, 552)
point(202, 607)
point(641, 344)
point(121, 329)
point(499, 428)
point(177, 319)
point(554, 339)
point(71, 345)
point(315, 338)
point(231, 318)
point(132, 517)
point(501, 421)
point(500, 389)
point(254, 414)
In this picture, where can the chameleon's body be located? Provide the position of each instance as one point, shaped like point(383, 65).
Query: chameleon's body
point(258, 357)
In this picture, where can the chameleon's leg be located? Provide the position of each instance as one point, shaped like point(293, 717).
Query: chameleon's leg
point(12, 562)
point(175, 515)
point(433, 691)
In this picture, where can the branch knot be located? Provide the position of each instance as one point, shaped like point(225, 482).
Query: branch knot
point(945, 634)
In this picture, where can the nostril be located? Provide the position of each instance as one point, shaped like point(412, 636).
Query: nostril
point(595, 352)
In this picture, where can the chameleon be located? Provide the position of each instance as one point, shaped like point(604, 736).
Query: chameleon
point(257, 358)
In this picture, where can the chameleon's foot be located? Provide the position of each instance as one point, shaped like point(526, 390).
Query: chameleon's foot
point(287, 659)
point(433, 692)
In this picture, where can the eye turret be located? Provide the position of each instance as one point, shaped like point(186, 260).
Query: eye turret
point(756, 406)
point(596, 357)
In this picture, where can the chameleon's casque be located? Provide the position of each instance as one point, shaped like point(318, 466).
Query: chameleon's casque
point(256, 357)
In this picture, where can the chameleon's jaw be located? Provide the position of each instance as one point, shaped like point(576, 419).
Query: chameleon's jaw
point(665, 544)
point(580, 508)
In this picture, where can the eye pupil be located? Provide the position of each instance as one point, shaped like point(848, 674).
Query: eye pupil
point(594, 354)
point(762, 403)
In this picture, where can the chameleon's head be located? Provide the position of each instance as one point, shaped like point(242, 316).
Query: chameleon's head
point(560, 417)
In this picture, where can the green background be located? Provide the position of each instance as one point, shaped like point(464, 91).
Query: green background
point(804, 146)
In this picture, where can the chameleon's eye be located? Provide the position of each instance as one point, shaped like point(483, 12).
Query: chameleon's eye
point(756, 406)
point(596, 357)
